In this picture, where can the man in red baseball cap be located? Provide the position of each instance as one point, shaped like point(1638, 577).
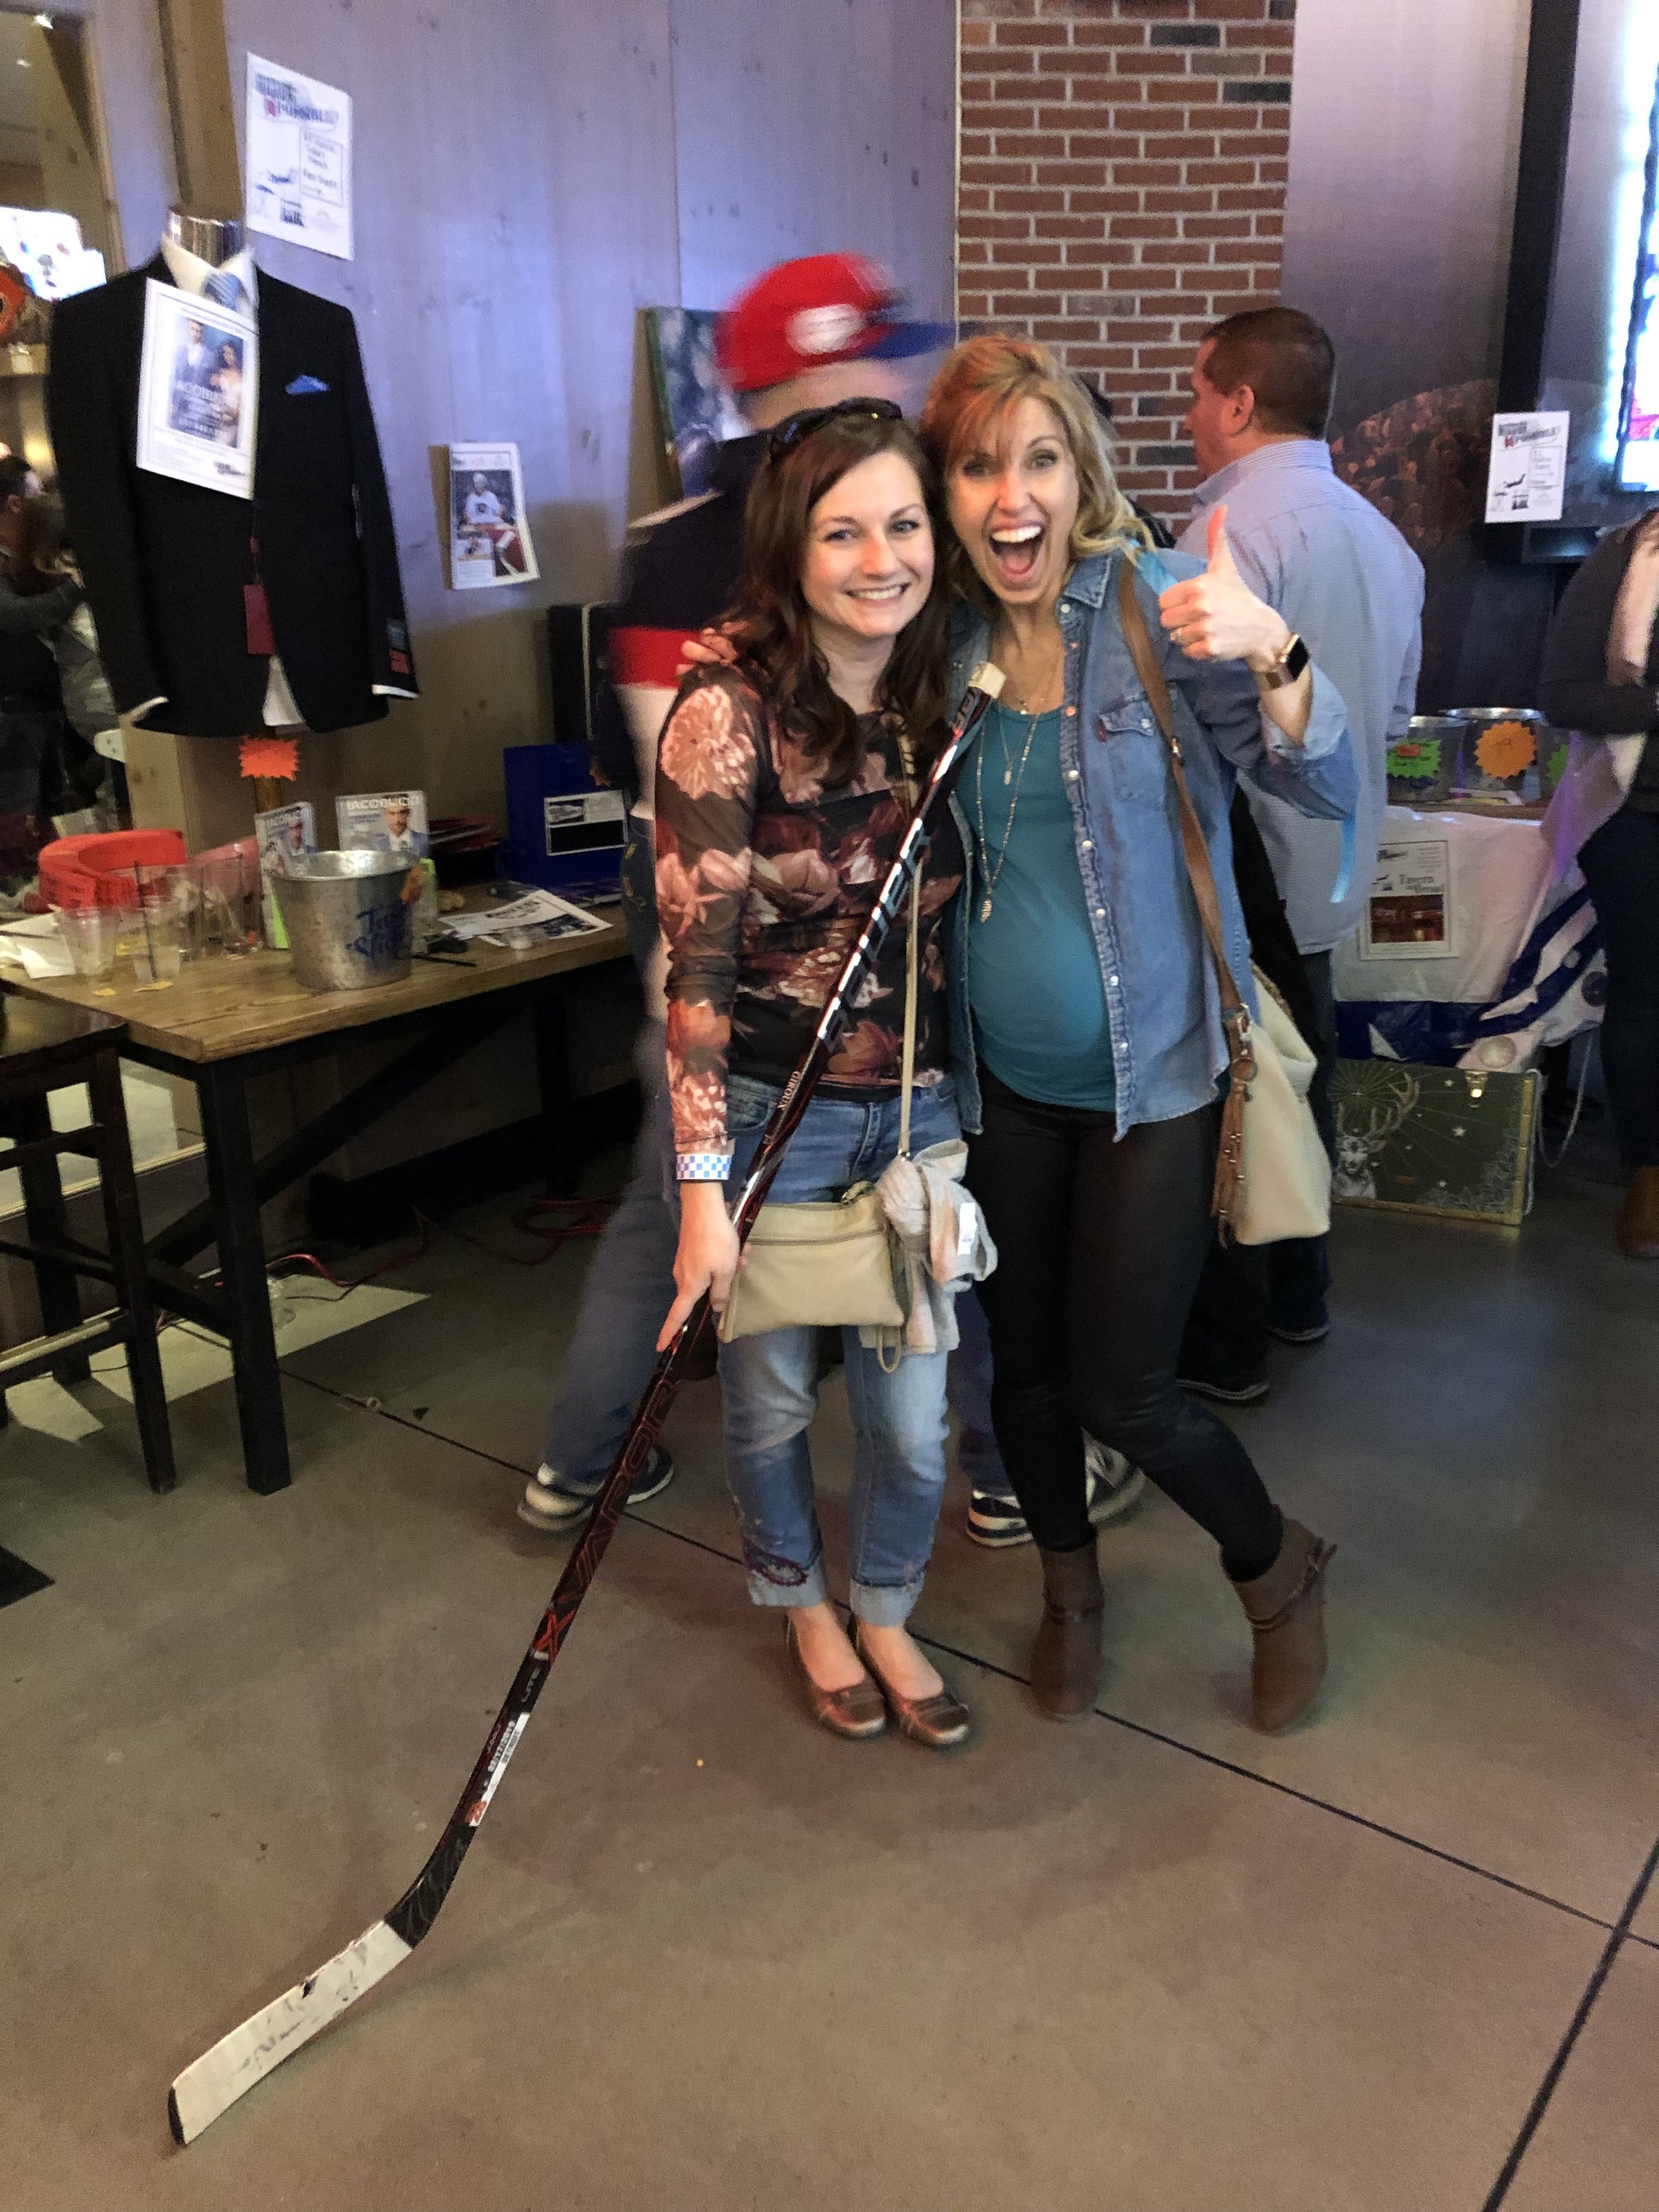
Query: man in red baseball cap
point(805, 334)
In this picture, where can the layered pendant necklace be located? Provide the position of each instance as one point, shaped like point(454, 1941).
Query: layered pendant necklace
point(1012, 776)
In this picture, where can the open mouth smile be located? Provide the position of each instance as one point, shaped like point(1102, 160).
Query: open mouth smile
point(1017, 551)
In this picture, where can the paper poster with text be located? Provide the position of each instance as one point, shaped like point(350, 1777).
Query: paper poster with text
point(1528, 472)
point(1409, 912)
point(299, 159)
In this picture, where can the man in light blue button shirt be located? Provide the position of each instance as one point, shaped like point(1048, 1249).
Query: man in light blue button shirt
point(1349, 585)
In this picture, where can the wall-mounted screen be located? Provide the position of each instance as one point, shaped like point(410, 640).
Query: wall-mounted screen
point(1638, 419)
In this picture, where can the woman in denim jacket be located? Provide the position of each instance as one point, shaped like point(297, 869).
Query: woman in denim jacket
point(1081, 973)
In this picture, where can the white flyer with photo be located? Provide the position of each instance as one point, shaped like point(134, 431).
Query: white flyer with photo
point(1409, 914)
point(299, 159)
point(1528, 472)
point(199, 391)
point(488, 530)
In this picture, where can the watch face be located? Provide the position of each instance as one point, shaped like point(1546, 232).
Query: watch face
point(1295, 661)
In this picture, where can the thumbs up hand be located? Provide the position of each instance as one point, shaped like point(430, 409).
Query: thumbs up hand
point(1217, 616)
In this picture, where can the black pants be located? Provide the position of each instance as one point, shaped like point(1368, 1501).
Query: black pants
point(1099, 1246)
point(1245, 1286)
point(1621, 866)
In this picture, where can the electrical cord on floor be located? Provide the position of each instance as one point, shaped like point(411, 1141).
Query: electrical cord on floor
point(1555, 1159)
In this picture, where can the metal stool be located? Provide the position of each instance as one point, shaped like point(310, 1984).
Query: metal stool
point(43, 1048)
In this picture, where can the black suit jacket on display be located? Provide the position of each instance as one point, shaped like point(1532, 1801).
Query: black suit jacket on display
point(166, 563)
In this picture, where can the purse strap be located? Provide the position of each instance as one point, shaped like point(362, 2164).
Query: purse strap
point(1235, 1013)
point(911, 959)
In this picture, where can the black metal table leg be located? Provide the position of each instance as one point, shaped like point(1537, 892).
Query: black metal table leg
point(124, 1228)
point(553, 1082)
point(30, 1119)
point(233, 1188)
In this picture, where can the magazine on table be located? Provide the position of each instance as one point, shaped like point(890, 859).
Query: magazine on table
point(382, 822)
point(281, 833)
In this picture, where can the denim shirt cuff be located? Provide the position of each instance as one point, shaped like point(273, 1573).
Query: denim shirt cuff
point(1327, 720)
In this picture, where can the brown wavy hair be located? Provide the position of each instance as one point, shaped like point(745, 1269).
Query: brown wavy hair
point(775, 648)
point(977, 386)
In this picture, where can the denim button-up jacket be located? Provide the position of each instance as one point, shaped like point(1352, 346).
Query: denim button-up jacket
point(1168, 1048)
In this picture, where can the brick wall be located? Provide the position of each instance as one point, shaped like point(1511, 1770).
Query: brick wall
point(1122, 188)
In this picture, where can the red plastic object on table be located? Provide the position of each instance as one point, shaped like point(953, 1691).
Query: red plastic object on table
point(71, 867)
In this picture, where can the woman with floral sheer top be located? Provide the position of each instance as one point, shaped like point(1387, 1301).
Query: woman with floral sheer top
point(781, 796)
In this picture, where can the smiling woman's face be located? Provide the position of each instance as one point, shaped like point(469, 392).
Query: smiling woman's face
point(1013, 500)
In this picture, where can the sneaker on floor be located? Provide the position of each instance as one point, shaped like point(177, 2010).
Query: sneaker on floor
point(548, 1505)
point(1311, 1325)
point(1226, 1394)
point(994, 1518)
point(1115, 1485)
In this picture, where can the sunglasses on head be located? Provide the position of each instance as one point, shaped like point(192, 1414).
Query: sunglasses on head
point(794, 428)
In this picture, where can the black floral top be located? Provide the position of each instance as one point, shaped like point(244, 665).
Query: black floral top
point(764, 880)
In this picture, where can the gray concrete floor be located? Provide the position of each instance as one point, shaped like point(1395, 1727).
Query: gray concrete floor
point(703, 1957)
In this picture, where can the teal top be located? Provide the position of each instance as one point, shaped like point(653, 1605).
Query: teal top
point(1039, 1006)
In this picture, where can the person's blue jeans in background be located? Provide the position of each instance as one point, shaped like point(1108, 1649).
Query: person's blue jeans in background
point(969, 1390)
point(768, 1386)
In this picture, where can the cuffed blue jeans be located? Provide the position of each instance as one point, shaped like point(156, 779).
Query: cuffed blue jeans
point(768, 1386)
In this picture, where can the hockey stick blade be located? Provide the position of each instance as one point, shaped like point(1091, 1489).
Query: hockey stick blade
point(242, 2058)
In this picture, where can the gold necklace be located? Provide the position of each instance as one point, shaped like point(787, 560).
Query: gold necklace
point(993, 873)
point(1022, 706)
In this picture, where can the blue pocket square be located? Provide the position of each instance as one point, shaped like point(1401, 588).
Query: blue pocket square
point(302, 385)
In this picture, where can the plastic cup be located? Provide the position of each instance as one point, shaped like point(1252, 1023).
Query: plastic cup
point(90, 933)
point(156, 962)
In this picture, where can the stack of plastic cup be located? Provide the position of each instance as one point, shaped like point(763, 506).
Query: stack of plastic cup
point(90, 933)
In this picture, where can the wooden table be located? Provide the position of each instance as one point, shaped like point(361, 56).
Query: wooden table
point(227, 1020)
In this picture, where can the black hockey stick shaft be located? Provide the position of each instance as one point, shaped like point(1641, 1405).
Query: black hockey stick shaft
point(419, 1906)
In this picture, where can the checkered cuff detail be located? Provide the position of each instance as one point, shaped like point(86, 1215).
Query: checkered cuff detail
point(702, 1167)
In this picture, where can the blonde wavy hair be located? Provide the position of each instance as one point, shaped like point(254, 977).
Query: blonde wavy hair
point(976, 387)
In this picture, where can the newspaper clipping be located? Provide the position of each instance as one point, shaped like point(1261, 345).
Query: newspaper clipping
point(488, 530)
point(199, 391)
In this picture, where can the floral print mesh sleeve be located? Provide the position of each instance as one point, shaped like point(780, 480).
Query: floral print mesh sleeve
point(764, 879)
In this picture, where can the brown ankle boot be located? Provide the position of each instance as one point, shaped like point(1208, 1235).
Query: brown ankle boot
point(1638, 1218)
point(1285, 1608)
point(1066, 1657)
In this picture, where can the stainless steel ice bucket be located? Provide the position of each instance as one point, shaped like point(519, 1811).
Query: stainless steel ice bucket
point(347, 923)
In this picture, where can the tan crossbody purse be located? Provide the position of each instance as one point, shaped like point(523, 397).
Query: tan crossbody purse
point(1272, 1179)
point(831, 1263)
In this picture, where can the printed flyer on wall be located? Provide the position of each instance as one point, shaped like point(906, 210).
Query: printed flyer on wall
point(1410, 908)
point(488, 530)
point(299, 159)
point(199, 391)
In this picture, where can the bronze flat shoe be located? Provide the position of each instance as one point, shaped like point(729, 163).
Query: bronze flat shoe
point(941, 1722)
point(856, 1712)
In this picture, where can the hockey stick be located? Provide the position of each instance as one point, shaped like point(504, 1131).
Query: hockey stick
point(215, 2081)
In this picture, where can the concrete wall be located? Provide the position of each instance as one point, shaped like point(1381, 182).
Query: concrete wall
point(530, 173)
point(1405, 132)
